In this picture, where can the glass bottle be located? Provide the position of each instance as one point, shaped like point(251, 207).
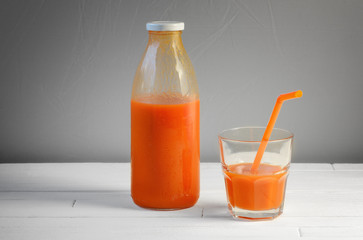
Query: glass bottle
point(165, 123)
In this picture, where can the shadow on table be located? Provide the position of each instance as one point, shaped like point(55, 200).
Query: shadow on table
point(120, 203)
point(215, 210)
point(106, 204)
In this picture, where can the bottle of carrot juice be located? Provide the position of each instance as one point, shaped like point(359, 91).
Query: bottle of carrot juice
point(165, 123)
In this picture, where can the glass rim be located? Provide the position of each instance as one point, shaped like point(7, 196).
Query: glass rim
point(220, 137)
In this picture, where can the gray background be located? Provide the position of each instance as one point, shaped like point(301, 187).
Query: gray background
point(66, 70)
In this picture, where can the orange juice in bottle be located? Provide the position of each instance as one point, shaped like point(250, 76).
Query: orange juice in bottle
point(165, 123)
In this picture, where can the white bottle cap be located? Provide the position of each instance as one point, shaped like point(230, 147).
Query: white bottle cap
point(165, 26)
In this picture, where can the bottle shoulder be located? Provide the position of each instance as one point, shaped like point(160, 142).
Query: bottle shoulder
point(165, 68)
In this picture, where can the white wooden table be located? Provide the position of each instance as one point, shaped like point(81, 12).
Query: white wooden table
point(92, 201)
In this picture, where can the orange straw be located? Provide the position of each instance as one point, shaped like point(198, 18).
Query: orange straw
point(271, 124)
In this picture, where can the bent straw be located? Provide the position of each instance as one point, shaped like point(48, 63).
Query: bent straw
point(270, 125)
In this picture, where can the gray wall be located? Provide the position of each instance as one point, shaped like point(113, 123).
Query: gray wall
point(66, 69)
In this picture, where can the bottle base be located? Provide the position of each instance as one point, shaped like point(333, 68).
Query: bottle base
point(166, 208)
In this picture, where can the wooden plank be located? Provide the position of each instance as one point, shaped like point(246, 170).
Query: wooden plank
point(212, 204)
point(324, 203)
point(348, 166)
point(311, 167)
point(156, 222)
point(319, 222)
point(51, 196)
point(124, 207)
point(333, 232)
point(211, 177)
point(107, 207)
point(116, 177)
point(326, 180)
point(297, 204)
point(65, 177)
point(159, 228)
point(156, 228)
point(320, 203)
point(166, 228)
point(35, 208)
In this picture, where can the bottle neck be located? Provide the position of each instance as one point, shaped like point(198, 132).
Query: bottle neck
point(165, 37)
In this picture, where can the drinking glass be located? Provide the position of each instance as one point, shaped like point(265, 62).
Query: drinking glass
point(257, 194)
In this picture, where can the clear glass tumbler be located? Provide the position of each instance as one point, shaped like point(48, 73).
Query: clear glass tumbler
point(255, 195)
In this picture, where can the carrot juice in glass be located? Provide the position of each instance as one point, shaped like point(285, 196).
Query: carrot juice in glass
point(255, 194)
point(165, 123)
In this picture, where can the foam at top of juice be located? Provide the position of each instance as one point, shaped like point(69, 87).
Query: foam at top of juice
point(245, 169)
point(269, 158)
point(165, 98)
